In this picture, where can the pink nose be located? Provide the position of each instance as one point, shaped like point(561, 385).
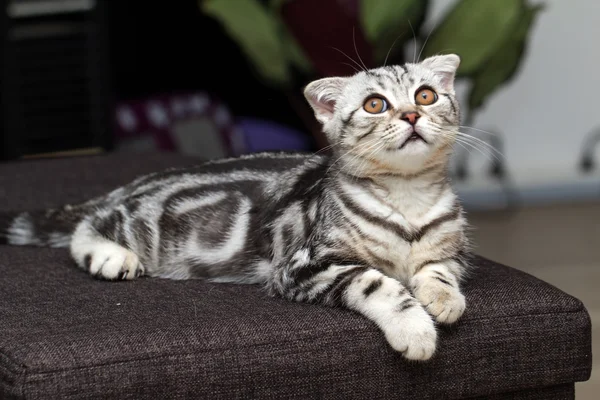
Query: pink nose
point(410, 116)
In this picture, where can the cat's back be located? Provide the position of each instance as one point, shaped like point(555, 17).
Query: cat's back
point(215, 214)
point(262, 176)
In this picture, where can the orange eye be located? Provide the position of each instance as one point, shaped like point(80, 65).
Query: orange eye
point(425, 97)
point(375, 105)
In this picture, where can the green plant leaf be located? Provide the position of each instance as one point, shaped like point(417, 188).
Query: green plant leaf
point(276, 4)
point(474, 29)
point(255, 29)
point(503, 64)
point(294, 52)
point(387, 21)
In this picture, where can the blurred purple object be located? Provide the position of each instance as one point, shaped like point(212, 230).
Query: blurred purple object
point(268, 136)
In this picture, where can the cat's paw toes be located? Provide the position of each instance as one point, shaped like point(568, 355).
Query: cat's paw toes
point(445, 303)
point(413, 334)
point(113, 262)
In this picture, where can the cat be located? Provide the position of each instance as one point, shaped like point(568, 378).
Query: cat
point(374, 226)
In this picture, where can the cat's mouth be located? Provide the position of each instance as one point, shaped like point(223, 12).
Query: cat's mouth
point(414, 137)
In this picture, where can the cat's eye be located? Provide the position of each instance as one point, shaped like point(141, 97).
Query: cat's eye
point(425, 96)
point(375, 105)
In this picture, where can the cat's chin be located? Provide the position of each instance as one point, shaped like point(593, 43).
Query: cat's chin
point(410, 158)
point(414, 138)
point(415, 146)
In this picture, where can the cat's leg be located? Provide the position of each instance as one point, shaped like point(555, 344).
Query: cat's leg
point(102, 257)
point(406, 325)
point(436, 286)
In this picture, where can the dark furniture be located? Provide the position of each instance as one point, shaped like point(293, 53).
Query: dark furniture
point(65, 335)
point(54, 77)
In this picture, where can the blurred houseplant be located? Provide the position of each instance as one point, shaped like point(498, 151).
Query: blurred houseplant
point(279, 37)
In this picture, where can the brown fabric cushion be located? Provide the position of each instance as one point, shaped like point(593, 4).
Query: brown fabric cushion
point(558, 392)
point(65, 335)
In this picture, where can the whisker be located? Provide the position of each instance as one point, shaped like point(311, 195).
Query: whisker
point(489, 154)
point(462, 145)
point(349, 58)
point(478, 130)
point(356, 50)
point(373, 143)
point(390, 50)
point(414, 42)
point(376, 143)
point(369, 142)
point(482, 142)
point(448, 139)
point(481, 145)
point(426, 39)
point(472, 142)
point(356, 156)
point(374, 150)
point(325, 148)
point(466, 136)
point(351, 66)
point(336, 161)
point(389, 134)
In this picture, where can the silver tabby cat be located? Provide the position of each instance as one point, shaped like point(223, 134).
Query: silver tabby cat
point(375, 227)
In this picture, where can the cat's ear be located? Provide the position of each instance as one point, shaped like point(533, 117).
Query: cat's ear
point(445, 67)
point(322, 96)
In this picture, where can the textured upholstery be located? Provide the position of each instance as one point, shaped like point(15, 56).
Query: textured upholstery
point(65, 335)
point(558, 392)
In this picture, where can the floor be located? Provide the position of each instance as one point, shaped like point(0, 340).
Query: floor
point(559, 244)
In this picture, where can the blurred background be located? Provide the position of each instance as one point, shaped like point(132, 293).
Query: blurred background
point(215, 78)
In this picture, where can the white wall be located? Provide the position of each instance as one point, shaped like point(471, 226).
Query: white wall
point(545, 112)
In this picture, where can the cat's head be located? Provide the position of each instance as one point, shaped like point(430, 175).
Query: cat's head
point(392, 119)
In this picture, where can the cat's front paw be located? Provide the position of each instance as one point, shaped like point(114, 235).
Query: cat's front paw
point(113, 262)
point(412, 332)
point(444, 302)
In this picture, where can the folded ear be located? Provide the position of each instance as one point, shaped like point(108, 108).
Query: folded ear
point(323, 94)
point(445, 67)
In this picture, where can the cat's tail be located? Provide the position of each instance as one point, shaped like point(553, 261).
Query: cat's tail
point(45, 228)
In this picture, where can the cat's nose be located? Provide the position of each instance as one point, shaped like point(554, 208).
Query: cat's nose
point(410, 116)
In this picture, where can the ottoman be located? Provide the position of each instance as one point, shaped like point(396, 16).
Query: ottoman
point(65, 335)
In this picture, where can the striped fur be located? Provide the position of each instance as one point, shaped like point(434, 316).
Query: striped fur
point(375, 227)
